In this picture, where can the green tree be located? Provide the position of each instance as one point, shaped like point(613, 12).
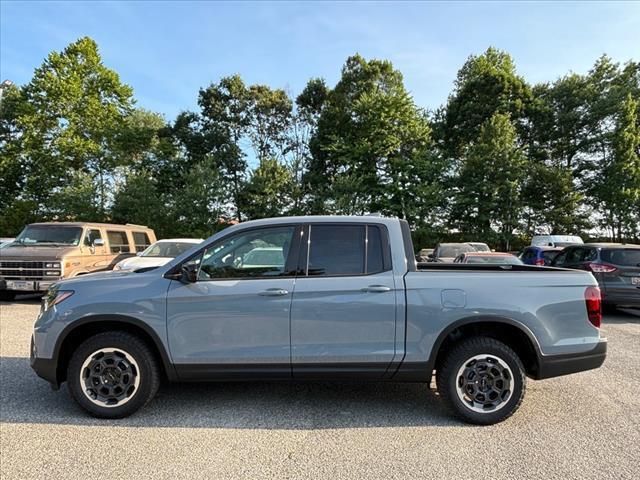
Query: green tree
point(76, 108)
point(371, 148)
point(617, 192)
point(489, 202)
point(266, 194)
point(485, 85)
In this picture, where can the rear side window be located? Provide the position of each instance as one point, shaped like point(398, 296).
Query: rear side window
point(336, 250)
point(629, 257)
point(347, 250)
point(118, 242)
point(141, 241)
point(549, 255)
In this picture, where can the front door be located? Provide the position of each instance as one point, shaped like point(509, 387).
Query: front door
point(343, 316)
point(235, 318)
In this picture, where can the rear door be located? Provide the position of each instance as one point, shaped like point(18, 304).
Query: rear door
point(343, 314)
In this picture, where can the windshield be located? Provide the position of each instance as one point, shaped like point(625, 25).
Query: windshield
point(628, 257)
point(167, 249)
point(34, 235)
point(501, 260)
point(451, 251)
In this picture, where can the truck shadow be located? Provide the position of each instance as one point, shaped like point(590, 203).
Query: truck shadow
point(24, 398)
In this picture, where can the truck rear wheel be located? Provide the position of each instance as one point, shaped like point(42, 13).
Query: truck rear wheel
point(482, 380)
point(113, 374)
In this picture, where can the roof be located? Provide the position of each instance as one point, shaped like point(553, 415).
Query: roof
point(487, 254)
point(91, 224)
point(610, 245)
point(320, 218)
point(181, 240)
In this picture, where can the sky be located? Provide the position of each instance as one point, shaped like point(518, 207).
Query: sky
point(167, 50)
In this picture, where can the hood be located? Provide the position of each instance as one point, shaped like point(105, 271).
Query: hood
point(139, 262)
point(18, 252)
point(91, 277)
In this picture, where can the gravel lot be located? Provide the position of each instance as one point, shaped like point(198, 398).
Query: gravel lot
point(580, 426)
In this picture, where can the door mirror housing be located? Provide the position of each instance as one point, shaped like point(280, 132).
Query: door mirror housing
point(98, 242)
point(189, 273)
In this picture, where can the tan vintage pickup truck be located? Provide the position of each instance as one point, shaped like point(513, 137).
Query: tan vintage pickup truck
point(46, 252)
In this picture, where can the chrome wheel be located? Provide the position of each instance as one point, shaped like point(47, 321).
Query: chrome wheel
point(109, 377)
point(484, 383)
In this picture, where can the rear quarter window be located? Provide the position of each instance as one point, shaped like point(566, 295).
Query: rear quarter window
point(629, 257)
point(141, 241)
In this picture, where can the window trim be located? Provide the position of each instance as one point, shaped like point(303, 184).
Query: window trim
point(303, 266)
point(292, 259)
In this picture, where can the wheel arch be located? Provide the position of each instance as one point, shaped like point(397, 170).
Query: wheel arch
point(84, 328)
point(511, 332)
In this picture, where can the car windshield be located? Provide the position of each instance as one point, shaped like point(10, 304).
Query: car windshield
point(167, 249)
point(35, 235)
point(625, 257)
point(495, 260)
point(452, 251)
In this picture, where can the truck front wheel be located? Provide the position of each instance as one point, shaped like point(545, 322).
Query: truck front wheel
point(481, 380)
point(113, 374)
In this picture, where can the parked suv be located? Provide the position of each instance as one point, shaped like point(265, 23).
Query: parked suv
point(44, 253)
point(539, 255)
point(615, 266)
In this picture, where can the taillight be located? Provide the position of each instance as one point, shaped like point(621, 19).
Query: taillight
point(601, 268)
point(540, 262)
point(594, 305)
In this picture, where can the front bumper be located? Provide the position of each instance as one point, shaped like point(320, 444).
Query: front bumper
point(556, 365)
point(35, 286)
point(45, 368)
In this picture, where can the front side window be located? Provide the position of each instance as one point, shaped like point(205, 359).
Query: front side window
point(118, 242)
point(257, 253)
point(91, 236)
point(49, 235)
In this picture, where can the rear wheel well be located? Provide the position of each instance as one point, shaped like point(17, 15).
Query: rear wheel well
point(506, 333)
point(87, 330)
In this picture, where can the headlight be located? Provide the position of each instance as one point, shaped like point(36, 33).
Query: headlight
point(52, 273)
point(54, 297)
point(52, 265)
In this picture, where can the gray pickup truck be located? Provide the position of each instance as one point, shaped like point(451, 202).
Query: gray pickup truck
point(318, 298)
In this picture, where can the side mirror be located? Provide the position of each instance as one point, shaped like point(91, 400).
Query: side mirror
point(189, 273)
point(98, 242)
point(138, 254)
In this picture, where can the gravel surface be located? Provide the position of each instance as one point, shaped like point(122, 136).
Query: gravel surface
point(582, 426)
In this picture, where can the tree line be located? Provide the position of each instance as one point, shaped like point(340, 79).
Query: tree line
point(500, 160)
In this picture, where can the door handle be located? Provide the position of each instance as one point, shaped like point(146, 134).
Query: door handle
point(376, 289)
point(274, 292)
